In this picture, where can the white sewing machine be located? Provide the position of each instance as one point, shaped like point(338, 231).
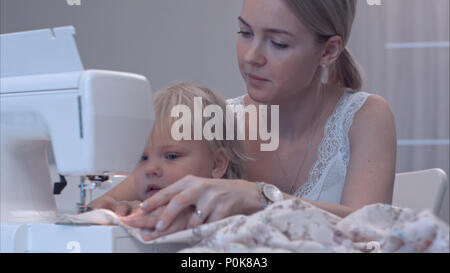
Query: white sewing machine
point(97, 122)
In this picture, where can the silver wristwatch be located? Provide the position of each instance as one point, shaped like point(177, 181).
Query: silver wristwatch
point(268, 193)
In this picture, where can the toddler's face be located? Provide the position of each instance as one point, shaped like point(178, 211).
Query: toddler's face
point(165, 161)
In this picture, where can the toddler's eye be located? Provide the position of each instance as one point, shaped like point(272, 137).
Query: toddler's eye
point(172, 156)
point(144, 158)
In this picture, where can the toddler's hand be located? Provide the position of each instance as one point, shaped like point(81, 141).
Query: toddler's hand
point(121, 208)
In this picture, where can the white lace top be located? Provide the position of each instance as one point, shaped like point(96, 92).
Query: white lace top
point(327, 175)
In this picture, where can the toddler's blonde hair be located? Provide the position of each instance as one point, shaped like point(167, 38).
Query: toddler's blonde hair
point(184, 94)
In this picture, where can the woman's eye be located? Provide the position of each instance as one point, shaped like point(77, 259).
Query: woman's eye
point(245, 34)
point(172, 156)
point(279, 45)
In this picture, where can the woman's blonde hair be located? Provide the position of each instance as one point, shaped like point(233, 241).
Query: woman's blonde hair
point(326, 18)
point(184, 94)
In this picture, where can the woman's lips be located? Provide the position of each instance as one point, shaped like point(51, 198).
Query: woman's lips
point(253, 76)
point(256, 80)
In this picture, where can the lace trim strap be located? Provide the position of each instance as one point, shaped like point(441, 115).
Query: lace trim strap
point(357, 101)
point(236, 101)
point(355, 104)
point(335, 140)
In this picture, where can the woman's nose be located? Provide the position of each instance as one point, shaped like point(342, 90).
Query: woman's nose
point(153, 169)
point(255, 55)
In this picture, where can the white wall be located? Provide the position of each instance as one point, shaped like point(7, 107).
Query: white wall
point(164, 40)
point(414, 79)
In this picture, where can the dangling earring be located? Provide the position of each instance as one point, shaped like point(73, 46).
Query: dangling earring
point(324, 78)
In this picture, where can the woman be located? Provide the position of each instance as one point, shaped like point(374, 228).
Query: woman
point(337, 146)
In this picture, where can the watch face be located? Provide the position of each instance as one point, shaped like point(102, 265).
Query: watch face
point(272, 193)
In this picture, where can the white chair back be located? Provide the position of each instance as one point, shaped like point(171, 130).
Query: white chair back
point(420, 190)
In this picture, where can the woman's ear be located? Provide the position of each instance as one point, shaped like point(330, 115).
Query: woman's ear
point(332, 50)
point(220, 165)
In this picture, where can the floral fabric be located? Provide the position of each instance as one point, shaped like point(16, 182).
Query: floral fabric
point(296, 226)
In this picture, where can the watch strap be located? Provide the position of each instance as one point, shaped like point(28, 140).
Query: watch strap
point(265, 202)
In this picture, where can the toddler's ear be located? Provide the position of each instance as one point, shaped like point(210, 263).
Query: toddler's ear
point(220, 163)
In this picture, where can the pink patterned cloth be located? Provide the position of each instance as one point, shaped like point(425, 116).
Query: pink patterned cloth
point(297, 226)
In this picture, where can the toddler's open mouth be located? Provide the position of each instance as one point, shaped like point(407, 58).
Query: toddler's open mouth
point(151, 190)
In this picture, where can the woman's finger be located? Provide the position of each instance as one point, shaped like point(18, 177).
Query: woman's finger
point(220, 211)
point(202, 211)
point(197, 218)
point(179, 224)
point(165, 195)
point(179, 203)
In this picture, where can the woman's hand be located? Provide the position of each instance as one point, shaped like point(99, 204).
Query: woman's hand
point(147, 221)
point(121, 208)
point(199, 200)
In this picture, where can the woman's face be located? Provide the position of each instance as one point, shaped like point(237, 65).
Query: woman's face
point(165, 161)
point(277, 55)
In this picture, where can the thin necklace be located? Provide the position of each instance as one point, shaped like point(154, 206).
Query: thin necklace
point(316, 124)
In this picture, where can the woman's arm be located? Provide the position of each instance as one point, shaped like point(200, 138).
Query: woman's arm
point(373, 148)
point(336, 209)
point(371, 170)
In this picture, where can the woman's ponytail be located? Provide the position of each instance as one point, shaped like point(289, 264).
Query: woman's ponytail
point(348, 71)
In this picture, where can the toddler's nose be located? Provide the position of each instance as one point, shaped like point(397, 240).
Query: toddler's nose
point(153, 169)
